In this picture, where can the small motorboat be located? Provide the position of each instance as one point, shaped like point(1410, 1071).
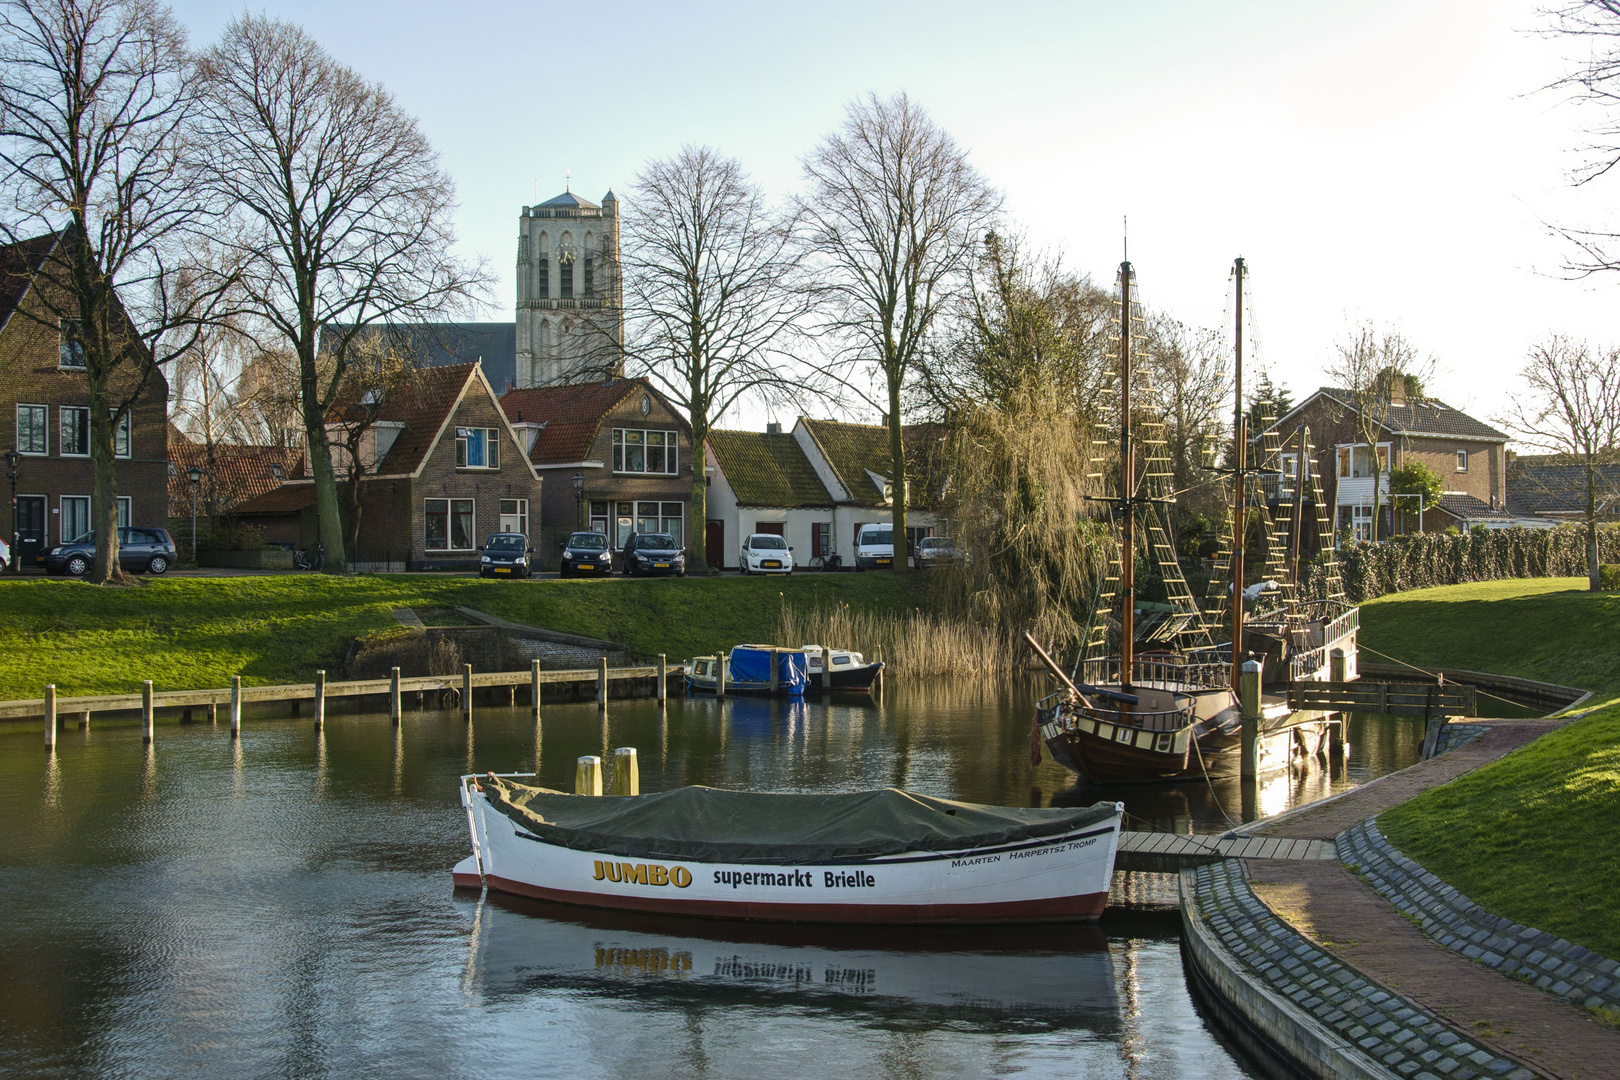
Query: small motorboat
point(883, 856)
point(748, 670)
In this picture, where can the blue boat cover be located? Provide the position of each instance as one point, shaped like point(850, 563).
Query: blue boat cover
point(754, 666)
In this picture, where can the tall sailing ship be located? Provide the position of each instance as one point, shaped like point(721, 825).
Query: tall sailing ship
point(1166, 704)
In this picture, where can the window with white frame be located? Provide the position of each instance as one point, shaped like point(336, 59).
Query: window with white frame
point(646, 452)
point(74, 438)
point(649, 517)
point(33, 429)
point(478, 448)
point(1361, 521)
point(515, 516)
point(450, 525)
point(125, 511)
point(1356, 462)
point(74, 514)
point(122, 443)
point(1462, 461)
point(599, 517)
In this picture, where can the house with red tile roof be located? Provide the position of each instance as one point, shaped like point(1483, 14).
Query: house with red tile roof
point(441, 469)
point(616, 455)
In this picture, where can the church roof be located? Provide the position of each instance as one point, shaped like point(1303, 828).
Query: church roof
point(568, 198)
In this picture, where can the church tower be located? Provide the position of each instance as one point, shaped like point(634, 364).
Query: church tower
point(570, 297)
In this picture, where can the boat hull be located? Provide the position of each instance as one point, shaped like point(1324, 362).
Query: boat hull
point(1058, 879)
point(857, 679)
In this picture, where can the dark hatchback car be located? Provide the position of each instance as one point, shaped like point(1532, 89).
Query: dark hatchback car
point(653, 553)
point(587, 555)
point(506, 555)
point(139, 551)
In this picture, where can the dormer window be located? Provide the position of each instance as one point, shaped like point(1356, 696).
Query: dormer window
point(277, 472)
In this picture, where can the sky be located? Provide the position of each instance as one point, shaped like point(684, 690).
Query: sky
point(1391, 160)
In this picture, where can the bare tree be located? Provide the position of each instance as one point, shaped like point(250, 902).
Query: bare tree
point(712, 301)
point(342, 214)
point(893, 210)
point(1593, 81)
point(96, 103)
point(1572, 409)
point(1377, 369)
point(1193, 376)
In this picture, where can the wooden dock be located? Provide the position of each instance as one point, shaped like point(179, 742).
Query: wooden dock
point(1394, 698)
point(1167, 853)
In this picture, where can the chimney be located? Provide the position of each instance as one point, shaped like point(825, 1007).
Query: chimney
point(773, 428)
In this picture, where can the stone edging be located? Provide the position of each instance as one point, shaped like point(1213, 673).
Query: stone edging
point(1536, 956)
point(1321, 1013)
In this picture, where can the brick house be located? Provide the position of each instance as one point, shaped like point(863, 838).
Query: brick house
point(628, 444)
point(231, 474)
point(443, 470)
point(1469, 456)
point(45, 416)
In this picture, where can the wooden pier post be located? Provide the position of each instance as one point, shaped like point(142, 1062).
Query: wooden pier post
point(84, 720)
point(601, 684)
point(1249, 700)
point(720, 675)
point(826, 670)
point(534, 686)
point(776, 678)
point(663, 680)
point(320, 699)
point(588, 775)
point(395, 711)
point(213, 713)
point(877, 680)
point(236, 706)
point(146, 711)
point(626, 772)
point(1336, 666)
point(50, 716)
point(466, 691)
point(1337, 669)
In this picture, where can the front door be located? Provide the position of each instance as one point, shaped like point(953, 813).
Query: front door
point(30, 529)
point(714, 540)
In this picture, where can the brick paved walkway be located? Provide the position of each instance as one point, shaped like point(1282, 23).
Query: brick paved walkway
point(1334, 908)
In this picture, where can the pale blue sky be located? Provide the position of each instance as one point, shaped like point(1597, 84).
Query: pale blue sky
point(1382, 158)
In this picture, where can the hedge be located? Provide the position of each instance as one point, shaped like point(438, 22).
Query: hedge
point(1421, 560)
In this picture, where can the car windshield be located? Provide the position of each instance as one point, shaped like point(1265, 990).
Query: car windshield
point(770, 543)
point(87, 538)
point(936, 542)
point(655, 542)
point(877, 536)
point(588, 541)
point(512, 542)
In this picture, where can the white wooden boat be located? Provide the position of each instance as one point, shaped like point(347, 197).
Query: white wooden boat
point(748, 667)
point(882, 856)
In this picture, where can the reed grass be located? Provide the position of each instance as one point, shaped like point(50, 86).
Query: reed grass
point(913, 643)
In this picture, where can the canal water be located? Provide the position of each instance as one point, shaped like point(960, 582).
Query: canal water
point(281, 907)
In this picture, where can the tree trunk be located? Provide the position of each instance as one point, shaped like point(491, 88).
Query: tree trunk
point(326, 495)
point(698, 512)
point(104, 490)
point(897, 450)
point(1593, 578)
point(351, 515)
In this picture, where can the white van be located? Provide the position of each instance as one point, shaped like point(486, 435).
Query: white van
point(874, 547)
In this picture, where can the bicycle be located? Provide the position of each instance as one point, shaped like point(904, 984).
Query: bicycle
point(314, 563)
point(827, 563)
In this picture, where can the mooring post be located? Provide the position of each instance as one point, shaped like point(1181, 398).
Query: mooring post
point(146, 711)
point(236, 706)
point(1249, 699)
point(534, 686)
point(466, 691)
point(776, 678)
point(626, 772)
point(84, 720)
point(320, 699)
point(588, 775)
point(1336, 666)
point(601, 684)
point(877, 680)
point(213, 713)
point(50, 716)
point(826, 670)
point(395, 712)
point(720, 675)
point(663, 680)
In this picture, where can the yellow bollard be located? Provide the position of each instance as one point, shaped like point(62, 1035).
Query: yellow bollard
point(626, 772)
point(588, 775)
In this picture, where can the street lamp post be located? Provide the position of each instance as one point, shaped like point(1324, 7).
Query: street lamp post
point(579, 500)
point(194, 474)
point(13, 459)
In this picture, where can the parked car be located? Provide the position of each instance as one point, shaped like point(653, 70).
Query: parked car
point(937, 551)
point(653, 553)
point(5, 555)
point(506, 555)
point(765, 553)
point(139, 550)
point(874, 547)
point(586, 553)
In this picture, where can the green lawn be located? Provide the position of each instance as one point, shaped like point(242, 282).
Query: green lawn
point(1531, 836)
point(1549, 629)
point(185, 633)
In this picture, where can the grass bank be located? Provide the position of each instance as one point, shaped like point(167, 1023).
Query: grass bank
point(185, 633)
point(1531, 836)
point(1548, 629)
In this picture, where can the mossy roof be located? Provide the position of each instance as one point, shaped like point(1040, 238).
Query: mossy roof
point(855, 451)
point(767, 469)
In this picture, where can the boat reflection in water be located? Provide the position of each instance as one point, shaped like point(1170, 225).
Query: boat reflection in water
point(988, 978)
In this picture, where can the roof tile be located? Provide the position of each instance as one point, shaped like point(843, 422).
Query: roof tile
point(767, 469)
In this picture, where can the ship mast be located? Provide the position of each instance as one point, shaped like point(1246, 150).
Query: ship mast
point(1239, 465)
point(1127, 506)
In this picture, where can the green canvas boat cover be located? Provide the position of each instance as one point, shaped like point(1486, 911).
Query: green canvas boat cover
point(714, 825)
